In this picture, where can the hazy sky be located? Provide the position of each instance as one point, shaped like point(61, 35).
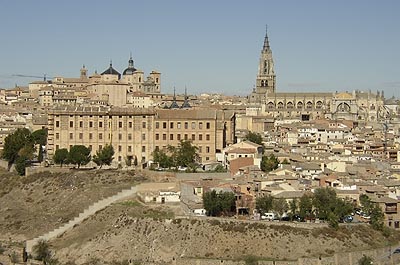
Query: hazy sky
point(207, 46)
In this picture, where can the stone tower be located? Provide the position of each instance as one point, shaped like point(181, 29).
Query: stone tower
point(83, 72)
point(265, 83)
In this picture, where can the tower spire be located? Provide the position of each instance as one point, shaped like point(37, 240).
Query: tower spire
point(130, 62)
point(186, 104)
point(174, 105)
point(266, 46)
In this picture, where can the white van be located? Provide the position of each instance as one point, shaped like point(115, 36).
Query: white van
point(199, 212)
point(268, 216)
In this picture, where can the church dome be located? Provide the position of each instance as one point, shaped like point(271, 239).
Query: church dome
point(111, 71)
point(131, 69)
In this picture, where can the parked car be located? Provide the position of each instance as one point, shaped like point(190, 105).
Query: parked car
point(348, 219)
point(297, 218)
point(268, 216)
point(365, 216)
point(285, 218)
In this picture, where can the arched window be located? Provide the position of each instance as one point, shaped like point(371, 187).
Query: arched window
point(280, 105)
point(343, 107)
point(270, 105)
point(318, 105)
point(309, 105)
point(299, 105)
point(289, 105)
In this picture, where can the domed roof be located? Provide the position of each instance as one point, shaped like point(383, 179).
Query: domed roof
point(344, 95)
point(131, 69)
point(111, 71)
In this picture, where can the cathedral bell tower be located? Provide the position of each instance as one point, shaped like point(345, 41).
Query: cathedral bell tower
point(266, 73)
point(265, 83)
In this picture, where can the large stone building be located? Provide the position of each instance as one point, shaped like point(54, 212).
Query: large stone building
point(109, 87)
point(135, 132)
point(267, 105)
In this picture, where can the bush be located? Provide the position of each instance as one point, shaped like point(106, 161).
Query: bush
point(41, 250)
point(14, 257)
point(365, 260)
point(251, 260)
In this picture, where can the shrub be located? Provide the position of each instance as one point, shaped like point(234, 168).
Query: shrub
point(2, 249)
point(365, 260)
point(41, 250)
point(251, 260)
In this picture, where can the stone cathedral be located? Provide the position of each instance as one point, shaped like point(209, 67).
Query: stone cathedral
point(266, 102)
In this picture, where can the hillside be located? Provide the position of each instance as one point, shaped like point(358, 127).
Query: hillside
point(130, 230)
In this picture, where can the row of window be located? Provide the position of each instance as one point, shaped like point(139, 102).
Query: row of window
point(143, 136)
point(193, 125)
point(101, 147)
point(120, 136)
point(100, 124)
point(185, 137)
point(290, 105)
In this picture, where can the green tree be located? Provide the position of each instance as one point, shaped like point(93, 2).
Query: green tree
point(305, 206)
point(15, 142)
point(163, 160)
point(324, 200)
point(79, 155)
point(377, 218)
point(104, 156)
point(255, 138)
point(40, 138)
point(61, 156)
point(264, 204)
point(218, 203)
point(269, 163)
point(293, 207)
point(343, 208)
point(20, 165)
point(366, 203)
point(365, 260)
point(186, 155)
point(280, 206)
point(329, 207)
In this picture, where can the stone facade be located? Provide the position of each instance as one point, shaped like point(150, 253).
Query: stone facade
point(268, 105)
point(138, 132)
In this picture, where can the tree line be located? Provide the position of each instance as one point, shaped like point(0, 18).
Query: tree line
point(23, 146)
point(323, 203)
point(80, 155)
point(183, 155)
